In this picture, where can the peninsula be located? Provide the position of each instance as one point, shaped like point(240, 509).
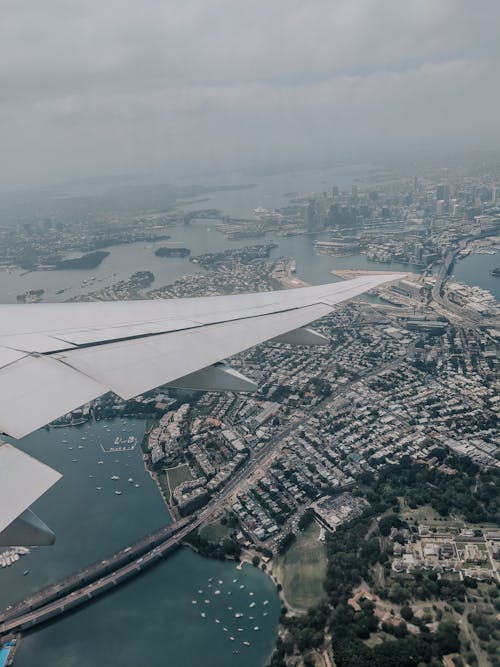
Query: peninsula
point(89, 261)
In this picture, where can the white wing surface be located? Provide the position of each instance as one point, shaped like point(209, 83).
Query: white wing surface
point(56, 357)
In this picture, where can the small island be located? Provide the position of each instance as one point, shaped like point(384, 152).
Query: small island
point(165, 251)
point(89, 261)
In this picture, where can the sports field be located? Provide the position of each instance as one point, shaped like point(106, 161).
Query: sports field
point(302, 569)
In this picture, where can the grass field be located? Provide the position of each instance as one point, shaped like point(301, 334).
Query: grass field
point(302, 569)
point(215, 532)
point(172, 477)
point(428, 515)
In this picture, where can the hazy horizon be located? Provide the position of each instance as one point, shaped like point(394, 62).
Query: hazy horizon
point(97, 90)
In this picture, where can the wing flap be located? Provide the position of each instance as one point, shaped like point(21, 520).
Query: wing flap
point(32, 342)
point(38, 389)
point(23, 479)
point(8, 356)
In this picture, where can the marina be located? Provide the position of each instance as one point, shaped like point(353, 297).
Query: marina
point(121, 444)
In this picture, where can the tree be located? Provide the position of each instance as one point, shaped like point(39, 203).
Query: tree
point(406, 612)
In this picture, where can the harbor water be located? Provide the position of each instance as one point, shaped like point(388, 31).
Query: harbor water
point(156, 618)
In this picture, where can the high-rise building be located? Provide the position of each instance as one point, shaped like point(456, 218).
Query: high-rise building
point(311, 217)
point(443, 192)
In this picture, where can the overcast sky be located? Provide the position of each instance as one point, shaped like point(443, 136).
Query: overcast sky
point(91, 87)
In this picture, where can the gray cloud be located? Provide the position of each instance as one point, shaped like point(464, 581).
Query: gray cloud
point(89, 88)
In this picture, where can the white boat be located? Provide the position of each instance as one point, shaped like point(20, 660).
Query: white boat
point(194, 602)
point(118, 493)
point(252, 604)
point(246, 643)
point(256, 628)
point(203, 615)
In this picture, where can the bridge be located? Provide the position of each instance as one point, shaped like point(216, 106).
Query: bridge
point(96, 579)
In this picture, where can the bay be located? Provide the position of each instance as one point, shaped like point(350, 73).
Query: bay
point(152, 619)
point(475, 270)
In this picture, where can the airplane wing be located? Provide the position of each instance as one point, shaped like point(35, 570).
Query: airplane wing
point(56, 357)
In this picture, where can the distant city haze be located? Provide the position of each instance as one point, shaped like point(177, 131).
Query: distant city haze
point(91, 89)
